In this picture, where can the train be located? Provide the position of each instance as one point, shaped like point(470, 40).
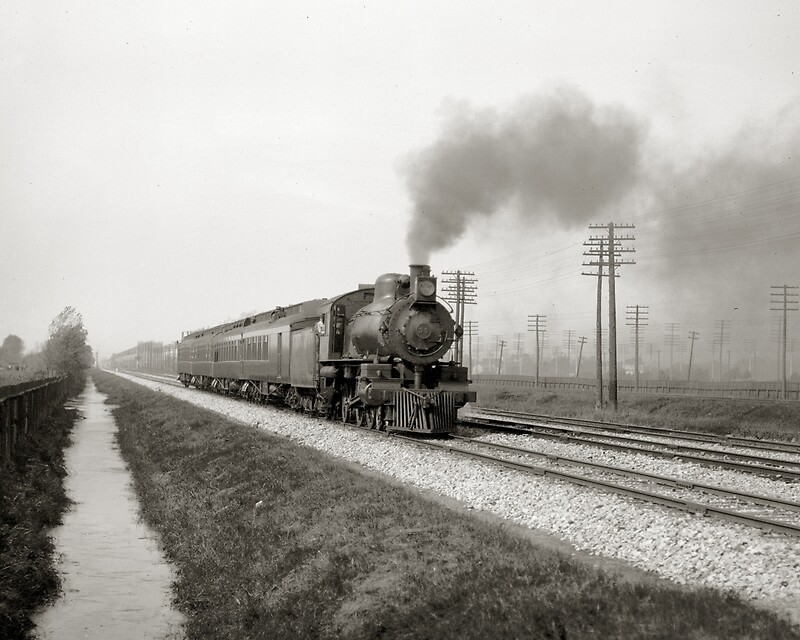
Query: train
point(375, 356)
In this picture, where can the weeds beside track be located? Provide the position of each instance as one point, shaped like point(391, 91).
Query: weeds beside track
point(32, 501)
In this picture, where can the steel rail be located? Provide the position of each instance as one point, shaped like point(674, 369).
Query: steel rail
point(488, 423)
point(683, 505)
point(754, 443)
point(152, 377)
point(567, 426)
point(754, 498)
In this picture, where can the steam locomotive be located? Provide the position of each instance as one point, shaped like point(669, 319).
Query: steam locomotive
point(373, 356)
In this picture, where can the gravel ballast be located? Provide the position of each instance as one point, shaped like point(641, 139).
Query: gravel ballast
point(686, 548)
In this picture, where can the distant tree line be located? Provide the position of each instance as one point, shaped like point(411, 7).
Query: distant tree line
point(65, 352)
point(11, 352)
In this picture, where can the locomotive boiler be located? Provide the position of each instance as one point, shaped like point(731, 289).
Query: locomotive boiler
point(375, 356)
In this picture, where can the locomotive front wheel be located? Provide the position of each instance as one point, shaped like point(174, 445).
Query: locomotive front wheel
point(360, 417)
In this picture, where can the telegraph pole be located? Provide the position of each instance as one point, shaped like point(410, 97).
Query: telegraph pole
point(750, 347)
point(613, 250)
point(537, 324)
point(693, 335)
point(670, 339)
point(461, 292)
point(637, 317)
point(596, 250)
point(721, 339)
point(518, 337)
point(784, 295)
point(472, 328)
point(569, 338)
point(501, 344)
point(581, 342)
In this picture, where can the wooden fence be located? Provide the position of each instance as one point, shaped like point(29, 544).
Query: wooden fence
point(745, 390)
point(23, 407)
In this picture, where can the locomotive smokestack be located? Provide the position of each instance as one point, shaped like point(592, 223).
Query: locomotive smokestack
point(415, 270)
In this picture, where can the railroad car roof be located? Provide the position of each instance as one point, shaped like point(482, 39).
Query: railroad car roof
point(278, 315)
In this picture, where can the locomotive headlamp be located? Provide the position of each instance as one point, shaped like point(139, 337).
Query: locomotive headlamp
point(425, 289)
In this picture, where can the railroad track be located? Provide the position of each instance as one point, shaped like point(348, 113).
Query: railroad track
point(154, 377)
point(664, 432)
point(764, 512)
point(781, 468)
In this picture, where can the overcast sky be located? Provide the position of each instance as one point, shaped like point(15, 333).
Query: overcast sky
point(167, 166)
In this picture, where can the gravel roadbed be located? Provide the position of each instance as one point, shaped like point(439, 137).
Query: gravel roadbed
point(686, 548)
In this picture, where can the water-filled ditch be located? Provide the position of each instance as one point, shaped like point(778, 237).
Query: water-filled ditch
point(116, 582)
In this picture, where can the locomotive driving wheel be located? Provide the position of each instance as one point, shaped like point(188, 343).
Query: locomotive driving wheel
point(294, 400)
point(352, 411)
point(377, 419)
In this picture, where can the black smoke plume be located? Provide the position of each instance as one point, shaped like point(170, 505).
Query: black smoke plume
point(553, 157)
point(726, 227)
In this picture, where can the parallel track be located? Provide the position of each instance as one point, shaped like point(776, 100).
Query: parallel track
point(777, 468)
point(788, 511)
point(664, 432)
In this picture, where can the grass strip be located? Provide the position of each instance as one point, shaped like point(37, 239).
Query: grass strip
point(274, 540)
point(722, 416)
point(32, 501)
